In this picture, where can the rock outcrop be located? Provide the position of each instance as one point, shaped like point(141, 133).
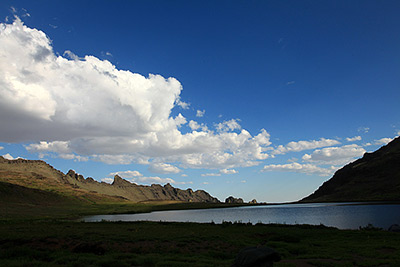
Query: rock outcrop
point(232, 200)
point(38, 174)
point(374, 177)
point(254, 201)
point(256, 256)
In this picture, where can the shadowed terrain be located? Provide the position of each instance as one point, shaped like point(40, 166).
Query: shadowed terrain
point(374, 177)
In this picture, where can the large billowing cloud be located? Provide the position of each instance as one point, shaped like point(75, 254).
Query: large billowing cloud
point(87, 109)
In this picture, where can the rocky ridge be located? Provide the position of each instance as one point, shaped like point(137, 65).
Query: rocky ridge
point(134, 192)
point(40, 175)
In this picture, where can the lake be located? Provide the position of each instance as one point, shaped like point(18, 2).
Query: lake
point(339, 215)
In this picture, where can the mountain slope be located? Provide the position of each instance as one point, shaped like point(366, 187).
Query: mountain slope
point(138, 193)
point(374, 177)
point(37, 174)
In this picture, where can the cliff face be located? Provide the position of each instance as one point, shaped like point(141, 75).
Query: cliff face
point(374, 177)
point(40, 175)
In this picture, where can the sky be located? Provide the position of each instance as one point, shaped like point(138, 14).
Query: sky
point(256, 99)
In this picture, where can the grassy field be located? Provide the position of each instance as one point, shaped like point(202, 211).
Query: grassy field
point(63, 243)
point(22, 203)
point(39, 228)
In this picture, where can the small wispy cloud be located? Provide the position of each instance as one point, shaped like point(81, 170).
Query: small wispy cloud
point(352, 139)
point(291, 82)
point(223, 171)
point(210, 174)
point(200, 113)
point(363, 129)
point(181, 104)
point(25, 14)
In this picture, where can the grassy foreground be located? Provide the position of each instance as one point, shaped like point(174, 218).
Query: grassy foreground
point(41, 233)
point(65, 243)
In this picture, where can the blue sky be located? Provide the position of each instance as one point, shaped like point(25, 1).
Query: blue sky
point(256, 99)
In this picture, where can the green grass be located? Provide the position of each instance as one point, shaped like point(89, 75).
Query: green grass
point(65, 243)
point(37, 229)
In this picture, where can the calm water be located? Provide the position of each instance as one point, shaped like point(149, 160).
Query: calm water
point(329, 214)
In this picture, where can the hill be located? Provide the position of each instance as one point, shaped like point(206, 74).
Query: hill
point(35, 179)
point(374, 177)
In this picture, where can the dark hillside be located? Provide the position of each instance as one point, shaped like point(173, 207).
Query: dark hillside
point(12, 193)
point(374, 177)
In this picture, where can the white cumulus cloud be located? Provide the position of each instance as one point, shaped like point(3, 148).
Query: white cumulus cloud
point(43, 146)
point(157, 180)
point(196, 126)
point(137, 177)
point(230, 125)
point(300, 168)
point(107, 180)
point(73, 157)
point(227, 150)
point(228, 171)
point(335, 155)
point(163, 168)
point(383, 141)
point(352, 139)
point(126, 174)
point(8, 156)
point(304, 145)
point(82, 106)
